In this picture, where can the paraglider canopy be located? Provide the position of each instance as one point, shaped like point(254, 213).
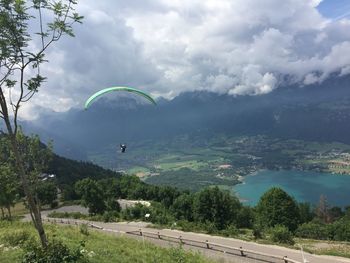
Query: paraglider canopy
point(107, 90)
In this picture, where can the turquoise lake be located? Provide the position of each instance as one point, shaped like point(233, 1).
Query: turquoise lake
point(303, 186)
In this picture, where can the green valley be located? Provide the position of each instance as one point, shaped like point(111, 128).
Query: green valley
point(192, 162)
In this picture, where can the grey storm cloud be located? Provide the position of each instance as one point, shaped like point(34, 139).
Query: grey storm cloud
point(168, 47)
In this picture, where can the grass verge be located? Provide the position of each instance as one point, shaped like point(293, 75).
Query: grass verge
point(99, 247)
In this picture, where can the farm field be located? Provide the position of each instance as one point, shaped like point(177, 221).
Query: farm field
point(193, 162)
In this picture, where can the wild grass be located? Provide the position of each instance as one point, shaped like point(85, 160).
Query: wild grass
point(100, 247)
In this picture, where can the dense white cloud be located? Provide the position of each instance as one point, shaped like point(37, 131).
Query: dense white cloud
point(167, 47)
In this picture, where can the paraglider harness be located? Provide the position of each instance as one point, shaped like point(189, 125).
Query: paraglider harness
point(122, 148)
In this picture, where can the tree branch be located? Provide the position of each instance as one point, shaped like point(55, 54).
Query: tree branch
point(21, 83)
point(41, 26)
point(24, 99)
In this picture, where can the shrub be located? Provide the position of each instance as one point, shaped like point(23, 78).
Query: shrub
point(110, 216)
point(178, 254)
point(113, 205)
point(257, 233)
point(135, 212)
point(54, 204)
point(230, 231)
point(342, 230)
point(74, 215)
point(190, 226)
point(84, 229)
point(281, 234)
point(210, 228)
point(55, 252)
point(17, 237)
point(312, 230)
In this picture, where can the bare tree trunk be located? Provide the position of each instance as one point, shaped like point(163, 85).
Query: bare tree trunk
point(2, 212)
point(9, 211)
point(30, 198)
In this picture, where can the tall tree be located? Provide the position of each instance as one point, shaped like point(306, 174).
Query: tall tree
point(8, 188)
point(92, 195)
point(306, 213)
point(46, 193)
point(322, 209)
point(20, 62)
point(183, 206)
point(276, 207)
point(8, 177)
point(216, 206)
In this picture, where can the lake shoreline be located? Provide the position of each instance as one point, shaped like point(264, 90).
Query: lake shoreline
point(304, 186)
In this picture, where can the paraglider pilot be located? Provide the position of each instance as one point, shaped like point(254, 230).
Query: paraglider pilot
point(123, 148)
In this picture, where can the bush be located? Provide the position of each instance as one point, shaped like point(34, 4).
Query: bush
point(210, 228)
point(84, 229)
point(230, 231)
point(17, 238)
point(281, 234)
point(313, 230)
point(135, 212)
point(54, 204)
point(257, 233)
point(178, 254)
point(110, 216)
point(74, 215)
point(190, 226)
point(113, 205)
point(342, 230)
point(55, 252)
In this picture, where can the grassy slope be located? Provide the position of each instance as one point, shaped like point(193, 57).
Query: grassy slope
point(331, 248)
point(107, 248)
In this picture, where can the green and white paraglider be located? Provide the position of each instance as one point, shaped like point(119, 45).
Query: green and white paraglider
point(94, 96)
point(107, 90)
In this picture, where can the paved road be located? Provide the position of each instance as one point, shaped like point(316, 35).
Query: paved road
point(134, 227)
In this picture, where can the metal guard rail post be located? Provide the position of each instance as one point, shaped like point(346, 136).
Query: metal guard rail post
point(240, 249)
point(208, 245)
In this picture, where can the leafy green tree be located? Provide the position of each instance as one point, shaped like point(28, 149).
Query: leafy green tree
point(8, 188)
point(167, 195)
point(245, 217)
point(276, 207)
point(22, 54)
point(342, 229)
point(306, 213)
point(139, 192)
point(111, 187)
point(92, 195)
point(347, 211)
point(112, 204)
point(46, 193)
point(183, 206)
point(68, 193)
point(127, 185)
point(152, 192)
point(216, 206)
point(335, 213)
point(36, 158)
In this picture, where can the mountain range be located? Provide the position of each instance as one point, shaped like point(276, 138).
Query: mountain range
point(318, 112)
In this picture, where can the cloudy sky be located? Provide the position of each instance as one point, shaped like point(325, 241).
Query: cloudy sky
point(166, 47)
